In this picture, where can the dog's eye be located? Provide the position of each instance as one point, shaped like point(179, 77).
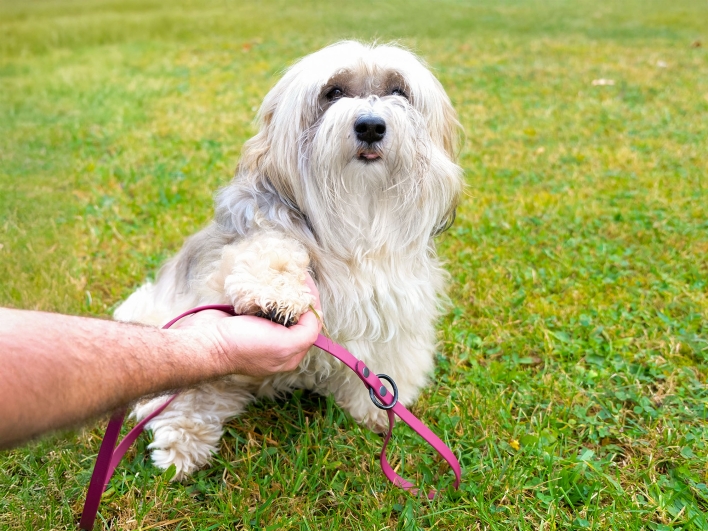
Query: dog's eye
point(399, 92)
point(334, 94)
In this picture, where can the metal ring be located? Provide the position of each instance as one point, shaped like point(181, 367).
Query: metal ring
point(395, 393)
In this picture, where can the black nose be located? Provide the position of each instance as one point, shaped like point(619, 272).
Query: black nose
point(370, 128)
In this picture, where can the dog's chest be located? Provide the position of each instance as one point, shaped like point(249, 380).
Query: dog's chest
point(373, 299)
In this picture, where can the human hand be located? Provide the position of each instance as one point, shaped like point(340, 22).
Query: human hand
point(254, 346)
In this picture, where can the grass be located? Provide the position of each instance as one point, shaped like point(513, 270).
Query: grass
point(572, 367)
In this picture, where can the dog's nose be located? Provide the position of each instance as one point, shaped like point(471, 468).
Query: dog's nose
point(370, 128)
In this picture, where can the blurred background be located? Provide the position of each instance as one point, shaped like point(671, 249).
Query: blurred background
point(572, 364)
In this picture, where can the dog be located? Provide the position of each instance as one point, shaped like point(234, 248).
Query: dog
point(351, 176)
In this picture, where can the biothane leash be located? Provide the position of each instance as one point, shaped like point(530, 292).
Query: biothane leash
point(109, 455)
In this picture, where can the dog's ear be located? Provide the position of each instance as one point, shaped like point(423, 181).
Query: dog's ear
point(443, 125)
point(258, 158)
point(451, 132)
point(255, 150)
point(446, 222)
point(451, 128)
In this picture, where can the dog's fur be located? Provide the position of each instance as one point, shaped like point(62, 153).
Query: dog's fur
point(305, 198)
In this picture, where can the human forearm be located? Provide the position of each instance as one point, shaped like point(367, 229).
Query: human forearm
point(57, 369)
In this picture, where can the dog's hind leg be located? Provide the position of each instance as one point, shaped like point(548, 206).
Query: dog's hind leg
point(187, 432)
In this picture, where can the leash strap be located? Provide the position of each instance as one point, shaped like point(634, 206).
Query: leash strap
point(100, 476)
point(109, 455)
point(393, 407)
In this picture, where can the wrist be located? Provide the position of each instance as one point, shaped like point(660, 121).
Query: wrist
point(197, 355)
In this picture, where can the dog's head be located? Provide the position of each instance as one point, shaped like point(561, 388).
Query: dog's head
point(362, 134)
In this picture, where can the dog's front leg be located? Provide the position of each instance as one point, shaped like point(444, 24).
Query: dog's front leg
point(353, 397)
point(264, 275)
point(407, 359)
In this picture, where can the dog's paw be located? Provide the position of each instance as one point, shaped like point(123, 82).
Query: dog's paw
point(265, 276)
point(186, 444)
point(362, 410)
point(376, 420)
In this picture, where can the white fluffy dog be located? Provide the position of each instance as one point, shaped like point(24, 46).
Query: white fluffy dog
point(350, 177)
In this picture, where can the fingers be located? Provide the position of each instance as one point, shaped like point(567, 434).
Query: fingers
point(297, 340)
point(292, 363)
point(315, 292)
point(304, 333)
point(309, 322)
point(257, 346)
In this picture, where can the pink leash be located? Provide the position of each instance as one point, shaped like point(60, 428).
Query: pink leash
point(109, 455)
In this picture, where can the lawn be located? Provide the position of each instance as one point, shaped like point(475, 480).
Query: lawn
point(572, 365)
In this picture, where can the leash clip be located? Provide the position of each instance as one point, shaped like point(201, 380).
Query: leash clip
point(383, 392)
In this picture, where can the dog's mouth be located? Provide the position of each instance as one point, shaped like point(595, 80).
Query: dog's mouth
point(368, 156)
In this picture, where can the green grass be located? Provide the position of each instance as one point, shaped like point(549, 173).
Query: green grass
point(572, 367)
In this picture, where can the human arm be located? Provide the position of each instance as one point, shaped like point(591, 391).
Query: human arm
point(56, 370)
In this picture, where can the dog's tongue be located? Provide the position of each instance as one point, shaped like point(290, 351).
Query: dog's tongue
point(370, 156)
